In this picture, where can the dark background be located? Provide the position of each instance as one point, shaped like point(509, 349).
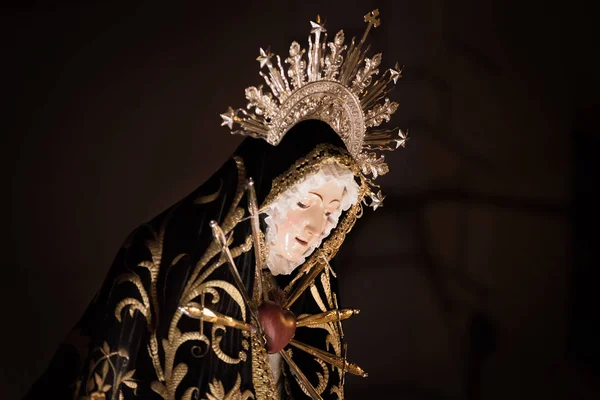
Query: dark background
point(478, 279)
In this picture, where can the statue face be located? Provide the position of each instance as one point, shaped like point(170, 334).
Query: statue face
point(304, 222)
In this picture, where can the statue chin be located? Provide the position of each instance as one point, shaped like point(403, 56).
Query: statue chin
point(279, 265)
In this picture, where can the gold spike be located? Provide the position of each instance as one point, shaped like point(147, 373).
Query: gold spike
point(332, 359)
point(376, 89)
point(258, 244)
point(301, 377)
point(308, 279)
point(220, 238)
point(197, 311)
point(252, 124)
point(328, 316)
point(352, 64)
point(355, 54)
point(375, 99)
point(288, 90)
point(345, 348)
point(381, 139)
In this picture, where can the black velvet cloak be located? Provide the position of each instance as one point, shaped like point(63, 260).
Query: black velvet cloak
point(139, 345)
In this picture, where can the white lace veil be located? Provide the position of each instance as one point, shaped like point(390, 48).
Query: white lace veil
point(331, 172)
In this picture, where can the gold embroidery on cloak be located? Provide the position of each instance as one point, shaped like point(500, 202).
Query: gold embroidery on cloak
point(169, 373)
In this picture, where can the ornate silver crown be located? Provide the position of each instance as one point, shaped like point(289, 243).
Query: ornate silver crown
point(333, 86)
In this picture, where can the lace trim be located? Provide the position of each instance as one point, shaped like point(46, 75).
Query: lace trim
point(331, 172)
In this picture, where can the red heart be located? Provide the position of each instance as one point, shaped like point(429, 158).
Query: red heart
point(278, 324)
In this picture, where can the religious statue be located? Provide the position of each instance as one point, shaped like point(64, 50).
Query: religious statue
point(231, 293)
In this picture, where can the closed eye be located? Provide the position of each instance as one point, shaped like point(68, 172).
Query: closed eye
point(302, 205)
point(328, 213)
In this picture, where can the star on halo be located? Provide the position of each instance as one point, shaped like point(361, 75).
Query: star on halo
point(264, 58)
point(228, 117)
point(317, 27)
point(403, 138)
point(377, 200)
point(396, 73)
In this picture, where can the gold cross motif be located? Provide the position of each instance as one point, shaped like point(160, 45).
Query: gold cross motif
point(372, 19)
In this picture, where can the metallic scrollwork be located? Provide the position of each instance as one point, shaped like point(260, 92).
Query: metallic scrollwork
point(331, 86)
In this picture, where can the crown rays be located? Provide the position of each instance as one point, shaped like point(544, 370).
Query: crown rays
point(330, 81)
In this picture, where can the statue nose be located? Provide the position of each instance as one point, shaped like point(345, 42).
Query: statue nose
point(310, 229)
point(314, 222)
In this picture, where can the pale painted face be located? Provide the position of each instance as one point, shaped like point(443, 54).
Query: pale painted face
point(304, 223)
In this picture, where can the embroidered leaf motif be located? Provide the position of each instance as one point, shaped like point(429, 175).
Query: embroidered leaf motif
point(130, 384)
point(217, 391)
point(159, 388)
point(98, 380)
point(104, 370)
point(129, 375)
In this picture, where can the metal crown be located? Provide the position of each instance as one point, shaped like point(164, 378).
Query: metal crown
point(333, 85)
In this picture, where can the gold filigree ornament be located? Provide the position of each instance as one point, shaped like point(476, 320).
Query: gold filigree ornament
point(217, 391)
point(104, 376)
point(333, 85)
point(169, 370)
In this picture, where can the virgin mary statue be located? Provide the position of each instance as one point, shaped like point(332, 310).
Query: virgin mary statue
point(230, 293)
